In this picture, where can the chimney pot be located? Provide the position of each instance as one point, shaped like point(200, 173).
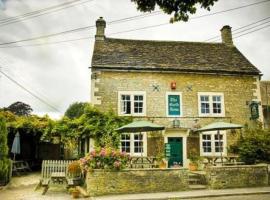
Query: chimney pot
point(100, 25)
point(226, 35)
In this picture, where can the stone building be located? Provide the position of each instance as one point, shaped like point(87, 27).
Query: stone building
point(265, 95)
point(181, 85)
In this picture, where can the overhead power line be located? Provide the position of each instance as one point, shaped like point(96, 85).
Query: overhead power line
point(251, 31)
point(41, 12)
point(86, 38)
point(217, 36)
point(84, 28)
point(121, 20)
point(238, 30)
point(30, 92)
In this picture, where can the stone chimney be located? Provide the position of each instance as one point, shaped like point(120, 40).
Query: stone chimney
point(226, 35)
point(101, 25)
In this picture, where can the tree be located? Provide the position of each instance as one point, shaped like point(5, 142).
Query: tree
point(254, 145)
point(181, 9)
point(75, 110)
point(20, 109)
point(3, 138)
point(4, 162)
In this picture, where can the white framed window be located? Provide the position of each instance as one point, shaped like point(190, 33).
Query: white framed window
point(132, 103)
point(211, 104)
point(174, 104)
point(134, 144)
point(211, 144)
point(125, 142)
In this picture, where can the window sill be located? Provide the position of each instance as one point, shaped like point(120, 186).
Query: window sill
point(211, 115)
point(132, 115)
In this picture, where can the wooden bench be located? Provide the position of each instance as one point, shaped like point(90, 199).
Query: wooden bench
point(55, 172)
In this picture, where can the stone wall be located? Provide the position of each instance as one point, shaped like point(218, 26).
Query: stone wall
point(237, 176)
point(237, 90)
point(100, 182)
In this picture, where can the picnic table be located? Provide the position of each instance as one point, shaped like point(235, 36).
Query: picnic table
point(58, 177)
point(227, 160)
point(54, 172)
point(20, 166)
point(143, 162)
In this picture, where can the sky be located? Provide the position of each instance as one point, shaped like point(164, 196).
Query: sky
point(58, 74)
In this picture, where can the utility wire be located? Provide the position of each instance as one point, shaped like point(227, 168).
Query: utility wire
point(231, 9)
point(38, 11)
point(85, 38)
point(238, 28)
point(239, 32)
point(87, 27)
point(41, 12)
point(251, 31)
point(20, 79)
point(84, 28)
point(27, 90)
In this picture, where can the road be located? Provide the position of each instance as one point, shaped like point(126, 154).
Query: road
point(242, 197)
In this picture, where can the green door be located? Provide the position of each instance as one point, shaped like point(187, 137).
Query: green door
point(175, 154)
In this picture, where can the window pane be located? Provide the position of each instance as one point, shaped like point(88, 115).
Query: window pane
point(125, 143)
point(218, 143)
point(138, 103)
point(125, 104)
point(205, 105)
point(206, 143)
point(138, 143)
point(216, 104)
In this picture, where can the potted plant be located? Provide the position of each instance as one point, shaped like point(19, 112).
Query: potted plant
point(74, 172)
point(74, 192)
point(194, 159)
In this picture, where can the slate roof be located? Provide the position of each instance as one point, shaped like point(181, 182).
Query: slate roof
point(122, 54)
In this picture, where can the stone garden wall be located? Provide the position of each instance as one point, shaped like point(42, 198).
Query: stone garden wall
point(100, 182)
point(237, 176)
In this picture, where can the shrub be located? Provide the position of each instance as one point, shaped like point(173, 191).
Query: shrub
point(4, 161)
point(105, 158)
point(74, 168)
point(254, 145)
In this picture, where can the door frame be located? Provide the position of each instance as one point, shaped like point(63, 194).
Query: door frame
point(179, 133)
point(180, 150)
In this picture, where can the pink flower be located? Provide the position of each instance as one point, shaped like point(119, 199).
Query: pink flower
point(117, 164)
point(113, 153)
point(102, 152)
point(123, 154)
point(93, 153)
point(83, 161)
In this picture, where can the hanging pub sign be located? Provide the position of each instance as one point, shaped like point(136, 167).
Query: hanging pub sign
point(174, 105)
point(254, 110)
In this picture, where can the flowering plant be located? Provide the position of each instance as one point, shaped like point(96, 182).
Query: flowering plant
point(74, 169)
point(105, 158)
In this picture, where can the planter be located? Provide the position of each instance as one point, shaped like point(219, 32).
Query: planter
point(193, 166)
point(162, 165)
point(75, 194)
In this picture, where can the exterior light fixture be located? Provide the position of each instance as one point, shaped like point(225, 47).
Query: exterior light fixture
point(176, 123)
point(173, 85)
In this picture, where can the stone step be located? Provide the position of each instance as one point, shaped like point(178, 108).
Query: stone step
point(197, 187)
point(194, 181)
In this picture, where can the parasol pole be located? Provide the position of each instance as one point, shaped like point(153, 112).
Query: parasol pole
point(218, 133)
